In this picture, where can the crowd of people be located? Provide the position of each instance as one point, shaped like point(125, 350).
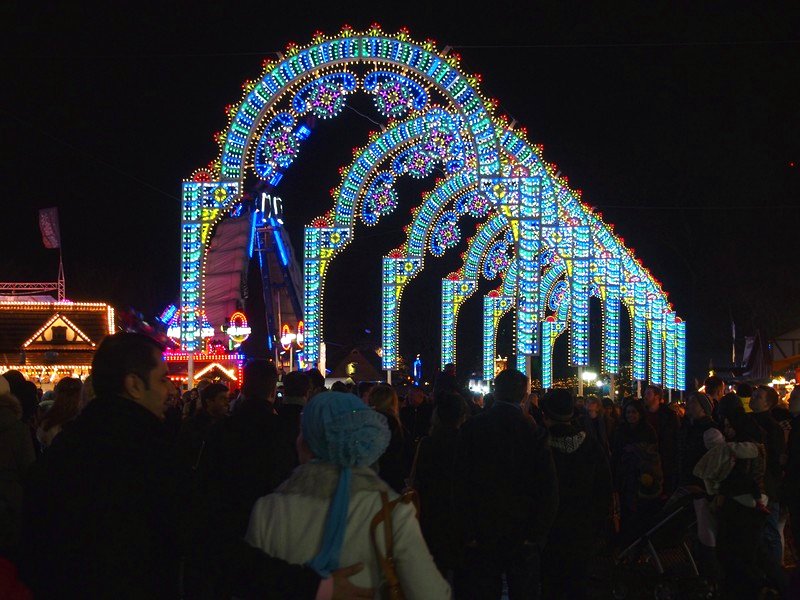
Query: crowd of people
point(121, 487)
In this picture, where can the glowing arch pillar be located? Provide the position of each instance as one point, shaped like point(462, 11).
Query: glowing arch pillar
point(396, 274)
point(670, 347)
point(680, 354)
point(203, 203)
point(321, 244)
point(454, 293)
point(611, 296)
point(655, 321)
point(495, 305)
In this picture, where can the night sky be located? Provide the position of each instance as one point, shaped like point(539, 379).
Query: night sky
point(682, 129)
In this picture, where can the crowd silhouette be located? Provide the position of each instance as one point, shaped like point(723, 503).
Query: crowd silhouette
point(121, 487)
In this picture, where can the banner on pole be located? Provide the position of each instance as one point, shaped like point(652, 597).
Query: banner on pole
point(48, 225)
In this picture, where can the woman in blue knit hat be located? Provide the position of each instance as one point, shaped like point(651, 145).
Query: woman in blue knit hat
point(321, 515)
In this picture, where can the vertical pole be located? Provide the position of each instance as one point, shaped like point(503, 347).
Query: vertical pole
point(322, 359)
point(529, 371)
point(612, 392)
point(61, 282)
point(291, 357)
point(389, 376)
point(580, 381)
point(190, 372)
point(638, 388)
point(669, 396)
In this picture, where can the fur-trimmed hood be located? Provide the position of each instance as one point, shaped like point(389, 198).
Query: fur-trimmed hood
point(567, 443)
point(319, 480)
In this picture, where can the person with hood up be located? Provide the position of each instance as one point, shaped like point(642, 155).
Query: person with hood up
point(584, 500)
point(321, 515)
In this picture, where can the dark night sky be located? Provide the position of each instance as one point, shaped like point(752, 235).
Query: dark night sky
point(682, 128)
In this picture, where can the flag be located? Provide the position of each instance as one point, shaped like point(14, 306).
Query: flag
point(48, 225)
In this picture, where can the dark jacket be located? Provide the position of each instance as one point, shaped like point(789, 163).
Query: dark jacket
point(597, 429)
point(584, 490)
point(416, 421)
point(192, 439)
point(108, 514)
point(392, 464)
point(776, 446)
point(791, 481)
point(506, 488)
point(434, 484)
point(634, 454)
point(666, 424)
point(247, 456)
point(692, 448)
point(16, 455)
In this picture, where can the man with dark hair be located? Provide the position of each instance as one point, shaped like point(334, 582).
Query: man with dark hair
point(714, 388)
point(415, 416)
point(584, 499)
point(108, 513)
point(506, 496)
point(296, 386)
point(666, 424)
point(250, 453)
point(191, 441)
point(317, 380)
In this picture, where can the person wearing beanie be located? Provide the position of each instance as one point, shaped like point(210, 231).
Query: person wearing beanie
point(321, 515)
point(506, 495)
point(790, 491)
point(584, 500)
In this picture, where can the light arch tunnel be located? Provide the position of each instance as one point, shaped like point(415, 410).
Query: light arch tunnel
point(539, 208)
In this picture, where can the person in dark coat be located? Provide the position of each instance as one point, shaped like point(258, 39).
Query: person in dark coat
point(248, 454)
point(740, 524)
point(697, 421)
point(791, 481)
point(296, 387)
point(107, 514)
point(775, 444)
point(636, 466)
point(392, 464)
point(593, 422)
point(691, 447)
point(666, 425)
point(584, 500)
point(214, 404)
point(415, 417)
point(432, 478)
point(506, 496)
point(16, 456)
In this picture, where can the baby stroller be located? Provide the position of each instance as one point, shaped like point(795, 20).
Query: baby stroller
point(655, 560)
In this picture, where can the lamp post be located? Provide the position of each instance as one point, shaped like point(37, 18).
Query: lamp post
point(587, 377)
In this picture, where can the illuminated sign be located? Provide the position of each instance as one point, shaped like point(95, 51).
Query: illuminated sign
point(238, 330)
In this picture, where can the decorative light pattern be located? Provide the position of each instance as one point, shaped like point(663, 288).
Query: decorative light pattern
point(394, 94)
point(670, 345)
point(406, 77)
point(680, 354)
point(380, 198)
point(278, 146)
point(445, 233)
point(325, 96)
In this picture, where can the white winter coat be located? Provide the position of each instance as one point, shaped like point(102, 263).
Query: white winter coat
point(289, 524)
